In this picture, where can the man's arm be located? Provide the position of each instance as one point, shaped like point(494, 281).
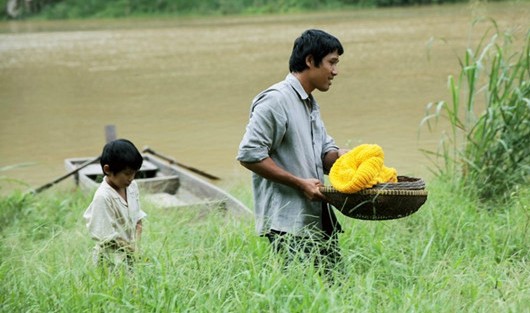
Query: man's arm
point(268, 169)
point(331, 157)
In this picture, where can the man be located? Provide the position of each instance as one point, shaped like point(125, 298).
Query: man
point(287, 148)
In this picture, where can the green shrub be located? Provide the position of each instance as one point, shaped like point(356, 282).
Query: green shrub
point(487, 148)
point(60, 9)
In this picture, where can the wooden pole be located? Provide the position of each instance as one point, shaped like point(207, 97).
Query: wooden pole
point(48, 185)
point(172, 161)
point(110, 133)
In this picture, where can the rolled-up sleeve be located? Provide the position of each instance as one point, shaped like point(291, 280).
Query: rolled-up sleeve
point(329, 145)
point(266, 127)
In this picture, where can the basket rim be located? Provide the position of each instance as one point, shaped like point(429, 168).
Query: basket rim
point(384, 192)
point(403, 182)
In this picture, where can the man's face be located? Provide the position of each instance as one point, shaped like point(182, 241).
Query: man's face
point(322, 76)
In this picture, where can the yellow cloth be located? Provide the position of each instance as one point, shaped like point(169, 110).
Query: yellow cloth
point(361, 168)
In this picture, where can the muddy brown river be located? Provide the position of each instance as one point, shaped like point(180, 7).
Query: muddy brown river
point(183, 86)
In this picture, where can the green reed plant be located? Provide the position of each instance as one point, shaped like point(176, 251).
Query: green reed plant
point(6, 180)
point(486, 150)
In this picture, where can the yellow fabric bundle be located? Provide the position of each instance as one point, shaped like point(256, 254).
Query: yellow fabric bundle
point(361, 168)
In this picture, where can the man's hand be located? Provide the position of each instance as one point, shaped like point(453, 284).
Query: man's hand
point(310, 188)
point(342, 152)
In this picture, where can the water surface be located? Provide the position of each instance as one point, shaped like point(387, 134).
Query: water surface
point(184, 86)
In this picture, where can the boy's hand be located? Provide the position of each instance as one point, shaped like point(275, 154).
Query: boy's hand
point(125, 246)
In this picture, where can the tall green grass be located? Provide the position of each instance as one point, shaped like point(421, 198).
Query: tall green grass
point(447, 257)
point(487, 148)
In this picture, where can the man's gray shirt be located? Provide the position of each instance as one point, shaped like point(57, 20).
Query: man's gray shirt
point(283, 127)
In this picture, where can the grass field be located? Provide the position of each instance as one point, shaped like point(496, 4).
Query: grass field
point(450, 256)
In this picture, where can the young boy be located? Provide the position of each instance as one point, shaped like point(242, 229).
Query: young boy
point(114, 218)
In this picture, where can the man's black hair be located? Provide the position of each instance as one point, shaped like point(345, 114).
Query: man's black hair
point(312, 42)
point(121, 154)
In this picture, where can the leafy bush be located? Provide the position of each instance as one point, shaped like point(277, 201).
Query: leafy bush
point(60, 9)
point(488, 153)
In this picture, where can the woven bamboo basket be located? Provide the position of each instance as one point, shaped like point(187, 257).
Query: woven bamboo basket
point(381, 202)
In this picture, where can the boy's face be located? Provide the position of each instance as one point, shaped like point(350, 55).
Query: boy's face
point(322, 75)
point(121, 179)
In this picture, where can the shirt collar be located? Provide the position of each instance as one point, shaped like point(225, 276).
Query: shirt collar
point(115, 194)
point(297, 86)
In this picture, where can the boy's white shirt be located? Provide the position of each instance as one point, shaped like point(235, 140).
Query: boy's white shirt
point(110, 217)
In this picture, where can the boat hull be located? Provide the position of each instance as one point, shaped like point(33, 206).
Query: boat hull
point(171, 184)
point(164, 180)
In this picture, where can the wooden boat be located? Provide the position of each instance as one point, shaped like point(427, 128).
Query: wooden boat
point(163, 182)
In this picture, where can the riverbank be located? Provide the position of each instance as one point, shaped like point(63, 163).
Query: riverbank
point(450, 256)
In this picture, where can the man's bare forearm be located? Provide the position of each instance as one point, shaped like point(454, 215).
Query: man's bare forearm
point(271, 171)
point(268, 169)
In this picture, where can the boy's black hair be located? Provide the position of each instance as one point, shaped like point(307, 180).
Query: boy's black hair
point(312, 42)
point(121, 154)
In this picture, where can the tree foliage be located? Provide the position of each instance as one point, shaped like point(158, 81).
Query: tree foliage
point(61, 9)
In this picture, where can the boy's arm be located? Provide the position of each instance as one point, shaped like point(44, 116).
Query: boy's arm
point(138, 231)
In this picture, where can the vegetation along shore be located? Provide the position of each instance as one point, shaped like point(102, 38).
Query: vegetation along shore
point(61, 9)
